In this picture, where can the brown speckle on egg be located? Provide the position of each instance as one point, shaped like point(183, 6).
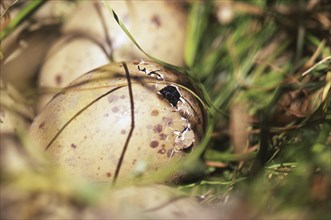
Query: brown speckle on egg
point(156, 20)
point(42, 125)
point(167, 121)
point(155, 112)
point(163, 136)
point(115, 109)
point(58, 79)
point(158, 128)
point(154, 144)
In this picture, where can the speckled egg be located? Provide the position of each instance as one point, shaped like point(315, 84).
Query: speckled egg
point(158, 26)
point(68, 58)
point(15, 118)
point(129, 118)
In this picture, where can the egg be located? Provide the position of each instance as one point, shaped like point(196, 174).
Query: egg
point(129, 118)
point(160, 202)
point(86, 45)
point(15, 113)
point(158, 26)
point(68, 58)
point(15, 117)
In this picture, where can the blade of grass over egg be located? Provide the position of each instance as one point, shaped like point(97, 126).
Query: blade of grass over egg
point(77, 115)
point(127, 141)
point(167, 65)
point(129, 35)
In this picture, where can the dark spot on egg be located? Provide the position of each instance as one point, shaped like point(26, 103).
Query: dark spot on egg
point(108, 174)
point(155, 112)
point(154, 144)
point(135, 62)
point(58, 79)
point(41, 125)
point(123, 131)
point(73, 146)
point(112, 98)
point(167, 121)
point(156, 20)
point(134, 162)
point(123, 97)
point(158, 128)
point(115, 109)
point(163, 136)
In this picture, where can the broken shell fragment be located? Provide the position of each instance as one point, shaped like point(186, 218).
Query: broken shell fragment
point(126, 119)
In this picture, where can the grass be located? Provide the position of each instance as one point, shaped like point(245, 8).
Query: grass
point(257, 61)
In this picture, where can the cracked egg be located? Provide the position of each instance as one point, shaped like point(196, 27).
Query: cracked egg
point(123, 119)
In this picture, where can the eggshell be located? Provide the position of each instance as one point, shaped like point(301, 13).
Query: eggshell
point(158, 26)
point(85, 127)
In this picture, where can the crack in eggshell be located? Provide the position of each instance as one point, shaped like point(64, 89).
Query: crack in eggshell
point(185, 138)
point(150, 70)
